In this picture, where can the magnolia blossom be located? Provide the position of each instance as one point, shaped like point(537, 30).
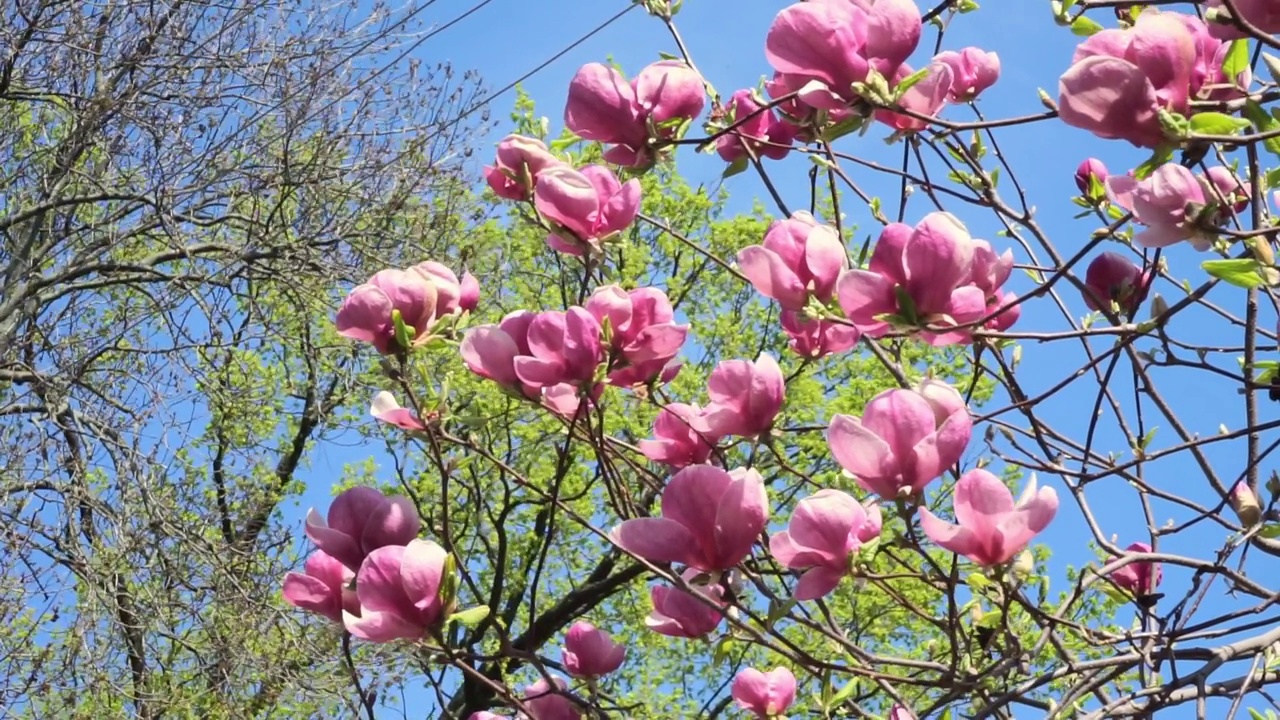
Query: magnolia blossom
point(604, 107)
point(1223, 187)
point(324, 587)
point(1138, 578)
point(399, 592)
point(799, 260)
point(681, 437)
point(564, 347)
point(1245, 504)
point(361, 520)
point(822, 48)
point(944, 400)
point(972, 71)
point(761, 131)
point(385, 408)
point(680, 613)
point(710, 520)
point(1121, 78)
point(1262, 14)
point(453, 296)
point(1170, 203)
point(586, 208)
point(516, 167)
point(367, 314)
point(492, 352)
point(590, 652)
point(899, 712)
point(765, 694)
point(925, 98)
point(817, 338)
point(1090, 171)
point(1208, 80)
point(898, 447)
point(1112, 278)
point(992, 529)
point(643, 334)
point(933, 265)
point(745, 396)
point(547, 701)
point(826, 529)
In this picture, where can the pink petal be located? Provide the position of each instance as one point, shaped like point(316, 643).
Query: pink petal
point(657, 540)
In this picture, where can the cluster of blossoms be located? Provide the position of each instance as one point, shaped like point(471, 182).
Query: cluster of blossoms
point(836, 63)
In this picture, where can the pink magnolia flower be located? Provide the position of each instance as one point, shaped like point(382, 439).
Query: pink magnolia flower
point(764, 133)
point(992, 529)
point(1091, 169)
point(767, 695)
point(1208, 81)
point(927, 97)
point(972, 71)
point(324, 587)
point(799, 259)
point(1138, 578)
point(679, 613)
point(493, 351)
point(590, 652)
point(817, 338)
point(399, 591)
point(518, 162)
point(745, 396)
point(822, 48)
point(644, 337)
point(710, 520)
point(932, 264)
point(943, 399)
point(586, 207)
point(826, 528)
point(361, 520)
point(453, 296)
point(897, 447)
point(1245, 503)
point(604, 107)
point(366, 314)
point(1222, 186)
point(681, 437)
point(564, 347)
point(990, 271)
point(1262, 14)
point(900, 713)
point(1111, 277)
point(386, 409)
point(1120, 78)
point(547, 701)
point(1161, 202)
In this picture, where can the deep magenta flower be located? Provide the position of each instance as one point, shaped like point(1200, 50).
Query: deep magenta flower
point(681, 437)
point(799, 259)
point(547, 701)
point(817, 338)
point(762, 131)
point(604, 107)
point(589, 652)
point(972, 71)
point(643, 335)
point(680, 613)
point(585, 208)
point(361, 520)
point(710, 520)
point(324, 587)
point(898, 446)
point(991, 528)
point(517, 164)
point(1111, 277)
point(766, 695)
point(366, 314)
point(1138, 578)
point(746, 396)
point(826, 528)
point(399, 591)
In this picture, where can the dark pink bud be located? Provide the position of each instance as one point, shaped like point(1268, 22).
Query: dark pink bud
point(1138, 578)
point(590, 652)
point(1089, 171)
point(1113, 278)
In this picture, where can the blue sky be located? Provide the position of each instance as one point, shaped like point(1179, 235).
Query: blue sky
point(506, 38)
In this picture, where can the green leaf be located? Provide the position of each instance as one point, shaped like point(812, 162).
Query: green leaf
point(1270, 531)
point(1085, 26)
point(844, 693)
point(1237, 60)
point(1243, 272)
point(909, 81)
point(737, 167)
point(1214, 123)
point(1161, 156)
point(470, 617)
point(404, 333)
point(1264, 122)
point(1273, 65)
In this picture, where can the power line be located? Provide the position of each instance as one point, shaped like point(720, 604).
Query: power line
point(509, 86)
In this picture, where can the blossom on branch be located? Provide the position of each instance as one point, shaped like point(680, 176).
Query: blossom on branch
point(991, 528)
